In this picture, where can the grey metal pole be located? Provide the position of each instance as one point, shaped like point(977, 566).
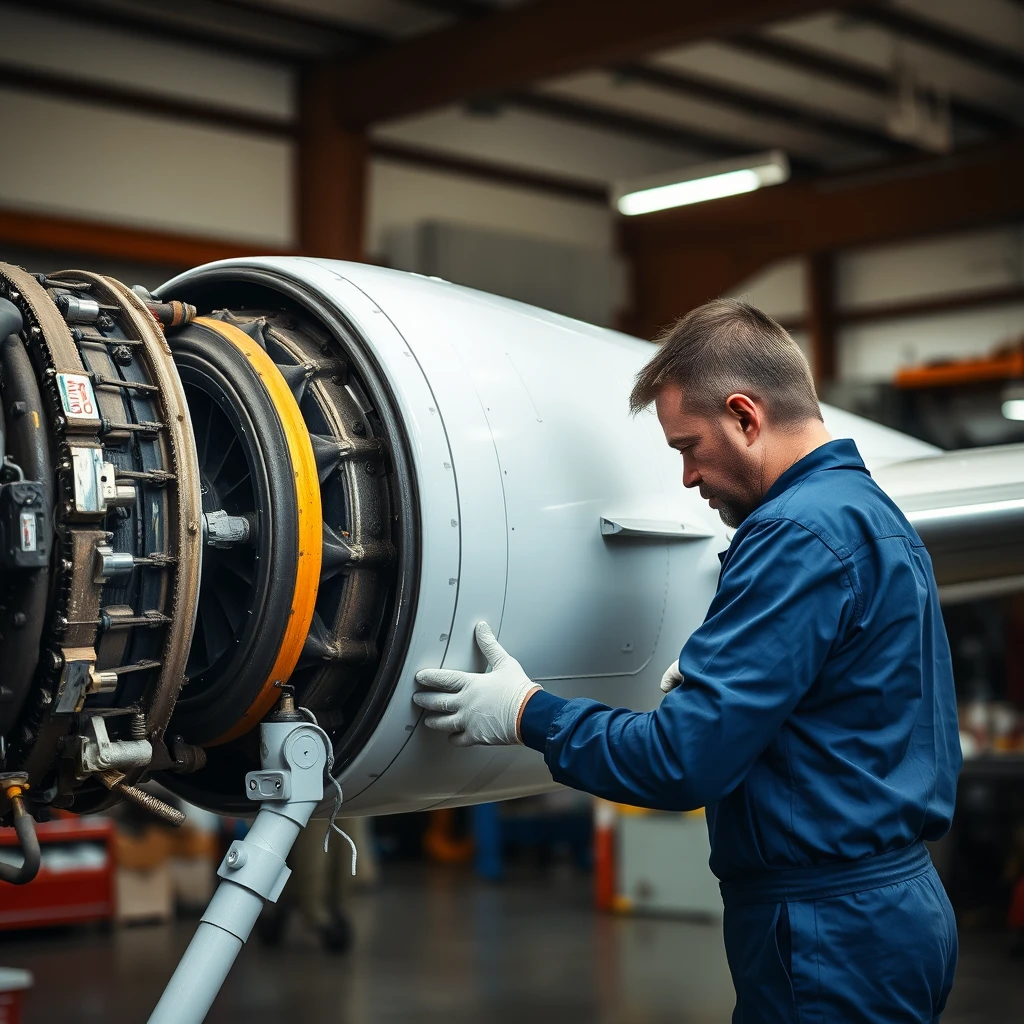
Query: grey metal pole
point(291, 785)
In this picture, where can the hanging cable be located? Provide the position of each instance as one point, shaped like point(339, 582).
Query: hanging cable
point(338, 795)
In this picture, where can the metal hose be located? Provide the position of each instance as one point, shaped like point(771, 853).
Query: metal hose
point(25, 829)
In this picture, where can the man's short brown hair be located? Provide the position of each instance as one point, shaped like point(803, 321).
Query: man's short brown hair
point(725, 347)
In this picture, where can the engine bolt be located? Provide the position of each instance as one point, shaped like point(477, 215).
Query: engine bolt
point(122, 355)
point(138, 726)
point(19, 408)
point(371, 469)
point(359, 428)
point(18, 619)
point(105, 322)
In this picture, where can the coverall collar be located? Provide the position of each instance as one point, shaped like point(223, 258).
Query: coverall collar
point(839, 454)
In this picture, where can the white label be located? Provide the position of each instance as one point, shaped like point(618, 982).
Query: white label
point(28, 531)
point(88, 469)
point(76, 396)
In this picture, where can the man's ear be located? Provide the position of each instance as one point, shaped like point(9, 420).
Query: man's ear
point(747, 414)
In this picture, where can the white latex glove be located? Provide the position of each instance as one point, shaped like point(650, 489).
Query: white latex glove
point(476, 707)
point(672, 677)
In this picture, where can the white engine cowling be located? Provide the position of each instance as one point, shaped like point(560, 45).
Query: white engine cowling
point(544, 508)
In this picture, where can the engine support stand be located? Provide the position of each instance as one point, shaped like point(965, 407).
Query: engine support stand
point(290, 787)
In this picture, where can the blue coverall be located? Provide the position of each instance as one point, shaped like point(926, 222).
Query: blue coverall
point(817, 723)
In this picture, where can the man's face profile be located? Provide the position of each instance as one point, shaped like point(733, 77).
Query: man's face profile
point(718, 453)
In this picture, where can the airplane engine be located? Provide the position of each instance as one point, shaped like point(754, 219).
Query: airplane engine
point(289, 471)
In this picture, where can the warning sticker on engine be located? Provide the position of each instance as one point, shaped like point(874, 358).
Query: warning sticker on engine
point(76, 395)
point(28, 531)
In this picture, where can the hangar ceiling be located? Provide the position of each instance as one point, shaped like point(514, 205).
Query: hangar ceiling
point(898, 116)
point(439, 76)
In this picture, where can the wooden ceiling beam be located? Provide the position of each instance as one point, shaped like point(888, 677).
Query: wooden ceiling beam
point(934, 305)
point(946, 40)
point(763, 105)
point(681, 258)
point(533, 41)
point(343, 34)
point(88, 238)
point(69, 87)
point(844, 72)
point(559, 185)
point(150, 24)
point(649, 129)
point(455, 8)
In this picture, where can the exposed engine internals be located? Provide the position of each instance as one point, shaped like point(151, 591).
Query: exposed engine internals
point(203, 498)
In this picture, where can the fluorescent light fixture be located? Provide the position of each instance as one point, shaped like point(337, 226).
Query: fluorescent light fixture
point(701, 183)
point(1013, 408)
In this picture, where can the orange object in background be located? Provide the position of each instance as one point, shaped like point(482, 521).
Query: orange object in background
point(604, 855)
point(441, 844)
point(1006, 364)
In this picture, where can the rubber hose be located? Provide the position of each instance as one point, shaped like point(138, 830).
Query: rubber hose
point(25, 830)
point(10, 318)
point(11, 322)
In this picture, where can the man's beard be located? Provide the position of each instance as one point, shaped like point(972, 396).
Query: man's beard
point(732, 511)
point(733, 517)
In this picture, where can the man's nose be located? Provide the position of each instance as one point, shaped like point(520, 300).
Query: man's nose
point(691, 477)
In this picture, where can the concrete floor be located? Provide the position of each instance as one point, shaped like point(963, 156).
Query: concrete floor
point(435, 946)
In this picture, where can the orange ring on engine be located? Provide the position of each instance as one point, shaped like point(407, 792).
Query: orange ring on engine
point(310, 521)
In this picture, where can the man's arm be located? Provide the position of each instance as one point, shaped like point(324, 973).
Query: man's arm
point(784, 601)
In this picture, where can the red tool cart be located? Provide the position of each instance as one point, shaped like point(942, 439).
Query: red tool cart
point(75, 883)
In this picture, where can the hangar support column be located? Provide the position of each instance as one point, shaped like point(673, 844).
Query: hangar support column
point(331, 171)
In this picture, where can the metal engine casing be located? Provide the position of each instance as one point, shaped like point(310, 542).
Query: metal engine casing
point(521, 444)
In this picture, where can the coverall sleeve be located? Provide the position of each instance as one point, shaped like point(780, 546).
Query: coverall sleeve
point(784, 600)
